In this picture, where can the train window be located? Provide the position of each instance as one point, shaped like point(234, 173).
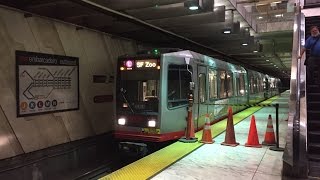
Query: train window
point(241, 90)
point(222, 86)
point(252, 85)
point(255, 85)
point(260, 84)
point(230, 84)
point(178, 85)
point(226, 84)
point(139, 89)
point(213, 89)
point(202, 88)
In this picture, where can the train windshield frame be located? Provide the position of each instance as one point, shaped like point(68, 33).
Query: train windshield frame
point(138, 87)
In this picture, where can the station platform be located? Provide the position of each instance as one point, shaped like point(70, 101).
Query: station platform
point(215, 161)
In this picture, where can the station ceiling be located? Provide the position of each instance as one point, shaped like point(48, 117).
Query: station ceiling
point(266, 26)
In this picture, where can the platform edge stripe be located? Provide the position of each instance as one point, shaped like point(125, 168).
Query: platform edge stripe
point(146, 167)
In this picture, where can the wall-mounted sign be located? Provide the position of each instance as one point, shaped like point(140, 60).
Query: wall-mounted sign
point(46, 83)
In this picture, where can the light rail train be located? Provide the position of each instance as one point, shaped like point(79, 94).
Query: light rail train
point(152, 93)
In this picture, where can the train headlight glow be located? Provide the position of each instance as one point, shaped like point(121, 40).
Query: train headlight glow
point(152, 123)
point(121, 121)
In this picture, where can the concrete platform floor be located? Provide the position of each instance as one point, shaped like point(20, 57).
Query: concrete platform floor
point(214, 161)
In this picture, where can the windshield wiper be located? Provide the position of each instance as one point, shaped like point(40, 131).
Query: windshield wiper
point(124, 97)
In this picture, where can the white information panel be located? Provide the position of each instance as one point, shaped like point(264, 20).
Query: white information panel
point(46, 83)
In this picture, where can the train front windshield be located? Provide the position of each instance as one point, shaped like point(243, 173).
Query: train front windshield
point(138, 89)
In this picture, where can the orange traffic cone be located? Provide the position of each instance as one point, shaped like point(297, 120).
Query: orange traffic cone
point(206, 135)
point(253, 139)
point(192, 134)
point(189, 133)
point(230, 139)
point(269, 137)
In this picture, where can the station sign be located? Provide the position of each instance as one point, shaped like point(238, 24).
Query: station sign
point(46, 83)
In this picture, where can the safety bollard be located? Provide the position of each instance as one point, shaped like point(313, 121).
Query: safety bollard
point(277, 148)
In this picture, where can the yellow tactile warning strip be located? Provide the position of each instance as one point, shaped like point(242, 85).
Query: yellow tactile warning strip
point(156, 162)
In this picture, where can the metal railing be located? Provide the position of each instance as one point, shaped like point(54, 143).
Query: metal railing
point(295, 160)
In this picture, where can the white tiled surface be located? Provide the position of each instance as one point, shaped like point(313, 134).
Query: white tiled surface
point(214, 161)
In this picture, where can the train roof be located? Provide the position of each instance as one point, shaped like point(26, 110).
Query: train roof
point(213, 62)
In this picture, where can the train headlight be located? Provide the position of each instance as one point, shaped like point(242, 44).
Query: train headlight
point(121, 121)
point(152, 123)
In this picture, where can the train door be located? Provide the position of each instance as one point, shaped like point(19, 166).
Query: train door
point(202, 95)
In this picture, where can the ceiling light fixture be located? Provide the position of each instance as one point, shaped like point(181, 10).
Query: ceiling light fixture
point(267, 60)
point(277, 2)
point(227, 31)
point(193, 4)
point(193, 7)
point(244, 44)
point(260, 17)
point(255, 51)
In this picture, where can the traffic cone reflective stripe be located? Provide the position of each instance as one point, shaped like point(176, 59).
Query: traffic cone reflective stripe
point(253, 139)
point(269, 137)
point(206, 135)
point(230, 139)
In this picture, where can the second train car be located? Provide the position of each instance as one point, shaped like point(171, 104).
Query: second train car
point(152, 93)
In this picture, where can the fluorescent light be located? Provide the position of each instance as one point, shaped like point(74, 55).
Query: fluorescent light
point(255, 51)
point(227, 31)
point(193, 4)
point(267, 60)
point(260, 17)
point(193, 7)
point(278, 15)
point(244, 44)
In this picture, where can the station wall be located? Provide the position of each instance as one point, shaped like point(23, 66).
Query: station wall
point(97, 54)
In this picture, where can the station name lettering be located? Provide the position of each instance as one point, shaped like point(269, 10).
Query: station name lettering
point(37, 59)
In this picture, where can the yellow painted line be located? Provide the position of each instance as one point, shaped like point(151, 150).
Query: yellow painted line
point(154, 163)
